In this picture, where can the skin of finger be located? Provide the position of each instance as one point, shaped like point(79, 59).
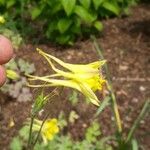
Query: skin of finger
point(2, 75)
point(6, 50)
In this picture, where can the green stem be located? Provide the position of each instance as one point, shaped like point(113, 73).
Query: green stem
point(40, 130)
point(110, 88)
point(116, 111)
point(30, 133)
point(144, 110)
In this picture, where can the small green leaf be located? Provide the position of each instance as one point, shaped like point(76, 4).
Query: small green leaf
point(103, 105)
point(56, 8)
point(85, 3)
point(24, 132)
point(73, 98)
point(2, 2)
point(26, 67)
point(102, 143)
point(12, 64)
point(98, 25)
point(85, 15)
point(51, 28)
point(93, 132)
point(63, 39)
point(39, 103)
point(97, 3)
point(73, 116)
point(64, 24)
point(111, 7)
point(16, 144)
point(134, 144)
point(35, 12)
point(76, 29)
point(62, 120)
point(10, 3)
point(68, 6)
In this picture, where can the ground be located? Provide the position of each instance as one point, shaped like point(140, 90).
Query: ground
point(126, 46)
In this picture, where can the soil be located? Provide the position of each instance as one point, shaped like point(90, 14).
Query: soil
point(126, 47)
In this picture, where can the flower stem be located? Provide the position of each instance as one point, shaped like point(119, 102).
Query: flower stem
point(115, 109)
point(110, 88)
point(144, 110)
point(37, 137)
point(30, 133)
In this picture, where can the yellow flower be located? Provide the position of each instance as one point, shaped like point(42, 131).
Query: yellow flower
point(49, 128)
point(84, 78)
point(2, 20)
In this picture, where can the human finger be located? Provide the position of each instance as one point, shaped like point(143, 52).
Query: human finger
point(2, 75)
point(6, 50)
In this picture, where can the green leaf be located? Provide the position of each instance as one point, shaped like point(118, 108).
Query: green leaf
point(24, 132)
point(64, 24)
point(111, 7)
point(63, 39)
point(68, 6)
point(134, 144)
point(103, 105)
point(56, 8)
point(92, 132)
point(73, 98)
point(39, 103)
point(10, 3)
point(51, 28)
point(12, 64)
point(98, 25)
point(73, 116)
point(35, 12)
point(26, 67)
point(16, 144)
point(85, 3)
point(76, 29)
point(2, 2)
point(97, 3)
point(145, 109)
point(102, 143)
point(85, 15)
point(62, 120)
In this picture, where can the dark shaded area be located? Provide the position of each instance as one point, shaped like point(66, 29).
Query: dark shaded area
point(142, 28)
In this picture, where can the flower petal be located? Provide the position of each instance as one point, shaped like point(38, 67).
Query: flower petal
point(86, 90)
point(75, 67)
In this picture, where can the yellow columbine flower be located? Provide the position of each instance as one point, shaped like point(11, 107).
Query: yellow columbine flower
point(2, 20)
point(49, 128)
point(84, 78)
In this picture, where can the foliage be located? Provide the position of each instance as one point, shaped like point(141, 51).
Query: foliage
point(73, 98)
point(73, 116)
point(39, 103)
point(62, 120)
point(64, 142)
point(14, 36)
point(93, 132)
point(16, 14)
point(63, 20)
point(16, 88)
